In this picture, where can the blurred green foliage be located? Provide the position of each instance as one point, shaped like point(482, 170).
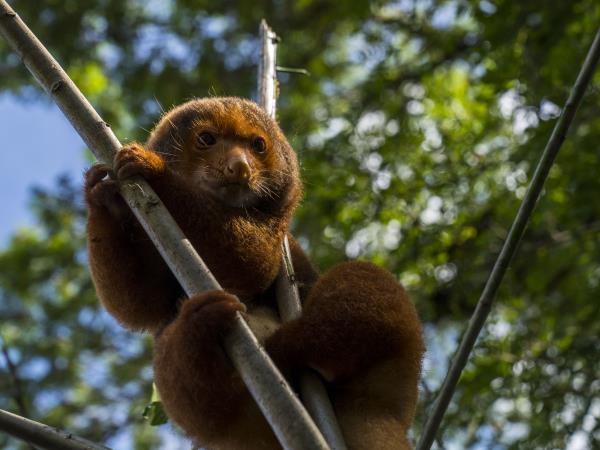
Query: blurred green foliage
point(418, 130)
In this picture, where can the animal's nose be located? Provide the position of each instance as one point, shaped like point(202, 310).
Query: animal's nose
point(238, 169)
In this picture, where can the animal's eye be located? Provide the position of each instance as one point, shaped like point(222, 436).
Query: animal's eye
point(206, 139)
point(259, 145)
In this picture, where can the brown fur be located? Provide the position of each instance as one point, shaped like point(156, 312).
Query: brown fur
point(233, 198)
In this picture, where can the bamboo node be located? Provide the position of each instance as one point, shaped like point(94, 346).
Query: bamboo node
point(56, 86)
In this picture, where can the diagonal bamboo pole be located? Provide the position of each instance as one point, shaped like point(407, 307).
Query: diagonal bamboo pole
point(291, 423)
point(312, 390)
point(511, 243)
point(42, 435)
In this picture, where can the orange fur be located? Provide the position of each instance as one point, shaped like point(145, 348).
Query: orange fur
point(230, 179)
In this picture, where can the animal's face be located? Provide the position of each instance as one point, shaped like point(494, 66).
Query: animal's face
point(232, 149)
point(230, 159)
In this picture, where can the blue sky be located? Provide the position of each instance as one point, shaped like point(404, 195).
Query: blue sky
point(39, 144)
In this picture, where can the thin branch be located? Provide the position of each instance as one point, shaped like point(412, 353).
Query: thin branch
point(312, 389)
point(510, 245)
point(17, 394)
point(44, 436)
point(426, 403)
point(291, 423)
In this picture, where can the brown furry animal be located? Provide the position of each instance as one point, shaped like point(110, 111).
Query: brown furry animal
point(230, 179)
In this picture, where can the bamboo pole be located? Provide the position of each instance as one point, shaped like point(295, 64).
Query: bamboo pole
point(312, 390)
point(511, 243)
point(291, 423)
point(43, 436)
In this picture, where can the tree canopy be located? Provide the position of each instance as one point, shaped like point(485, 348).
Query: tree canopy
point(418, 129)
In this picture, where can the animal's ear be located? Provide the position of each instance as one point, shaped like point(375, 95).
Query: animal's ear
point(172, 133)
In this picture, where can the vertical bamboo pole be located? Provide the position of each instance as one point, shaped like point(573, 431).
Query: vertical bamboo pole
point(291, 423)
point(312, 389)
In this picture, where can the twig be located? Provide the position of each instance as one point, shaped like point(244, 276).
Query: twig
point(509, 248)
point(312, 389)
point(426, 401)
point(291, 423)
point(294, 70)
point(18, 395)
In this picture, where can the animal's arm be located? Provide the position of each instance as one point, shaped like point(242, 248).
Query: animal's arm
point(200, 389)
point(131, 279)
point(362, 333)
point(355, 317)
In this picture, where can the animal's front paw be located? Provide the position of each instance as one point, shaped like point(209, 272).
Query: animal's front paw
point(208, 316)
point(193, 340)
point(133, 159)
point(303, 344)
point(103, 192)
point(285, 349)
